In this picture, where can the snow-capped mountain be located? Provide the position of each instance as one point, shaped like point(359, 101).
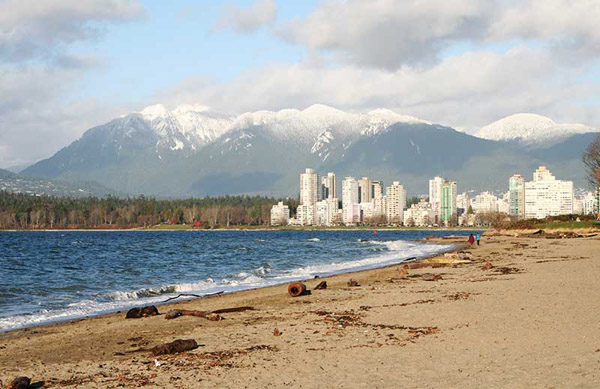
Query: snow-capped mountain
point(531, 129)
point(194, 151)
point(195, 126)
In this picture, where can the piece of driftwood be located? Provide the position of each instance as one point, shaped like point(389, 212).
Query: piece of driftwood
point(192, 295)
point(353, 282)
point(422, 265)
point(210, 315)
point(136, 313)
point(177, 346)
point(20, 383)
point(321, 285)
point(296, 289)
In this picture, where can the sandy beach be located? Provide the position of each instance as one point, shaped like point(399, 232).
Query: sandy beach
point(530, 321)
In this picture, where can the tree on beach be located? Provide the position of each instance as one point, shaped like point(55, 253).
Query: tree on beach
point(591, 159)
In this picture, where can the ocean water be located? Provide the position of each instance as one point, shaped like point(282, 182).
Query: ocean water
point(49, 276)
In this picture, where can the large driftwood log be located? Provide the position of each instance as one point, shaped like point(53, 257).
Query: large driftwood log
point(210, 315)
point(176, 346)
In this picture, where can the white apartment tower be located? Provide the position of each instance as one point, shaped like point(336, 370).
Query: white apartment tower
point(350, 204)
point(547, 196)
point(309, 187)
point(435, 197)
point(395, 203)
point(349, 191)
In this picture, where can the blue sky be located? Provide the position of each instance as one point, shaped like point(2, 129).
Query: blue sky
point(180, 39)
point(69, 65)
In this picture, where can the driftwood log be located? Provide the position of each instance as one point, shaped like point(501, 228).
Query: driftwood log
point(321, 285)
point(209, 315)
point(422, 265)
point(136, 313)
point(177, 346)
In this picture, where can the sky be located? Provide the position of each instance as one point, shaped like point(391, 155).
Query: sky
point(69, 65)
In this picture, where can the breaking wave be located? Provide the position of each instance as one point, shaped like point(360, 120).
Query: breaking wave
point(382, 253)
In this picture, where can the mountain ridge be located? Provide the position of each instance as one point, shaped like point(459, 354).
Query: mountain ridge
point(192, 151)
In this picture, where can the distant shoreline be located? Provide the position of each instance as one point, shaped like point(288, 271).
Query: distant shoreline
point(253, 229)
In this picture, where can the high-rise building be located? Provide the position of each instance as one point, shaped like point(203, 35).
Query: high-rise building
point(280, 214)
point(309, 187)
point(349, 191)
point(329, 185)
point(365, 190)
point(350, 204)
point(516, 188)
point(435, 197)
point(547, 196)
point(377, 189)
point(448, 203)
point(395, 202)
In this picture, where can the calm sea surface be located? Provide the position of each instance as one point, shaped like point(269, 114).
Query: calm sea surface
point(50, 276)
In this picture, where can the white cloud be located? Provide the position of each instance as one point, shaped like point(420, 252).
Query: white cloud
point(32, 28)
point(38, 114)
point(390, 34)
point(249, 19)
point(469, 90)
point(36, 117)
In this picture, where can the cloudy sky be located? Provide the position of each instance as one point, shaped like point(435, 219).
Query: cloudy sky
point(68, 65)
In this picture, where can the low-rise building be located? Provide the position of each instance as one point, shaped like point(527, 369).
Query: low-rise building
point(547, 196)
point(280, 214)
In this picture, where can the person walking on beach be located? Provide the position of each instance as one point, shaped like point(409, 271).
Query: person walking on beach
point(478, 238)
point(471, 239)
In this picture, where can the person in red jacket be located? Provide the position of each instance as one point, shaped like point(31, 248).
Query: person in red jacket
point(471, 239)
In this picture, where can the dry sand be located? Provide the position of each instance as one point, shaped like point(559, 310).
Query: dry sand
point(532, 321)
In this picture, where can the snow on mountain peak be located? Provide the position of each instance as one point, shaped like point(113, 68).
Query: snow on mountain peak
point(392, 117)
point(531, 129)
point(152, 112)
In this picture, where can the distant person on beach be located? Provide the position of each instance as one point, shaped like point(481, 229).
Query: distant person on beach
point(471, 239)
point(478, 237)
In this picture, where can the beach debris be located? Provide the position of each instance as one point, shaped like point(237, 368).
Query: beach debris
point(296, 289)
point(507, 270)
point(422, 265)
point(193, 295)
point(20, 383)
point(431, 277)
point(157, 363)
point(137, 313)
point(321, 285)
point(276, 332)
point(487, 266)
point(352, 282)
point(177, 346)
point(209, 315)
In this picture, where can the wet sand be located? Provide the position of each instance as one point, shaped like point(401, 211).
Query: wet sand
point(531, 321)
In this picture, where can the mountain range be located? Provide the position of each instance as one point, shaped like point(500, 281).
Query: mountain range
point(193, 151)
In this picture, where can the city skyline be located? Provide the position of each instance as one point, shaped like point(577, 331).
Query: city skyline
point(364, 201)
